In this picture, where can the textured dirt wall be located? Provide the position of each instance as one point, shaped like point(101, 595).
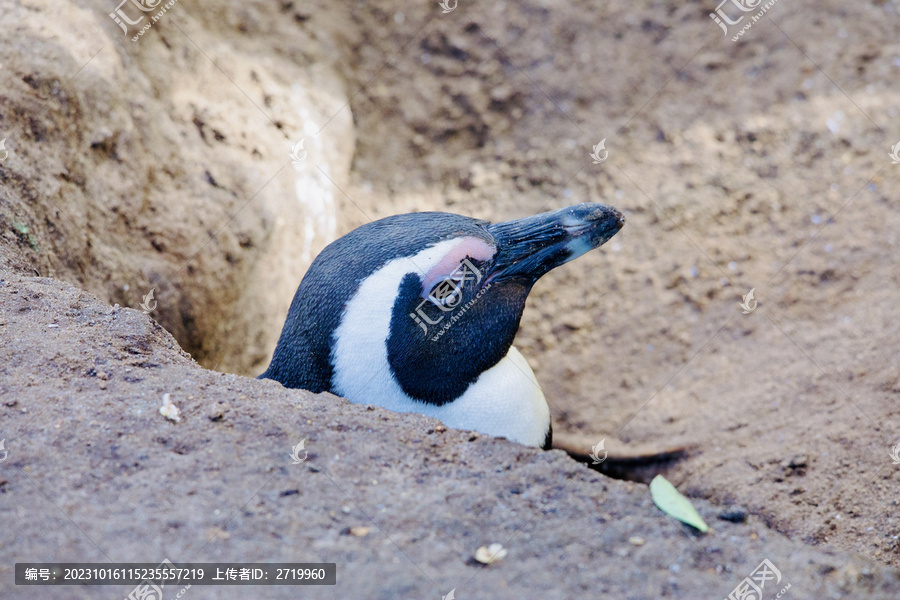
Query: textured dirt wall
point(164, 164)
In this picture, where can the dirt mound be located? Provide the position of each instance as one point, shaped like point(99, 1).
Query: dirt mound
point(96, 473)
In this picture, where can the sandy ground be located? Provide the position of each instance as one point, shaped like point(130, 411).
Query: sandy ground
point(761, 165)
point(95, 473)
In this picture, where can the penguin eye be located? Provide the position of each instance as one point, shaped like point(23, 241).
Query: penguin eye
point(447, 290)
point(446, 293)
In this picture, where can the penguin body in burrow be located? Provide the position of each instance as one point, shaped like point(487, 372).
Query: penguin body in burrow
point(418, 312)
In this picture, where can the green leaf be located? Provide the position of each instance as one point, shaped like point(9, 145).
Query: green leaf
point(670, 501)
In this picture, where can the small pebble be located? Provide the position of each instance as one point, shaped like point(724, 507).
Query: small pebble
point(169, 410)
point(216, 412)
point(487, 555)
point(734, 514)
point(636, 540)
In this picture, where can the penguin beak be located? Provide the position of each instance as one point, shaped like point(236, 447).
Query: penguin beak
point(529, 248)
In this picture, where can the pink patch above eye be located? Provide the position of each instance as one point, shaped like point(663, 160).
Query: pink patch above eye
point(471, 247)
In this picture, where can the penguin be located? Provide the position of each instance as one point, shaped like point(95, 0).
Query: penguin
point(417, 313)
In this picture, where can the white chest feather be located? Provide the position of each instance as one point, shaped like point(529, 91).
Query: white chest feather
point(505, 400)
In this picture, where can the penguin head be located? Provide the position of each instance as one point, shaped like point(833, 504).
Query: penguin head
point(428, 300)
point(459, 318)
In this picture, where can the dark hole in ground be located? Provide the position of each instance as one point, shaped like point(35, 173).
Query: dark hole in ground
point(639, 468)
